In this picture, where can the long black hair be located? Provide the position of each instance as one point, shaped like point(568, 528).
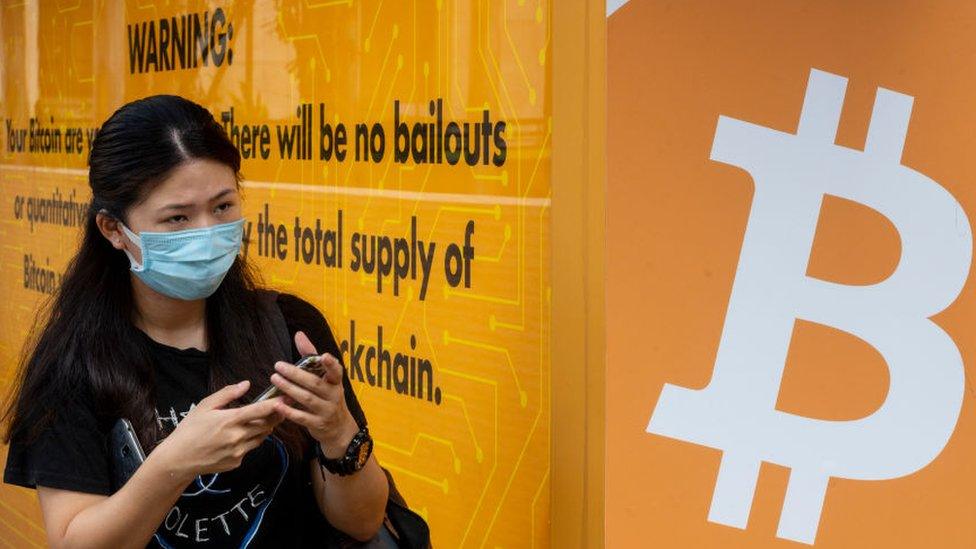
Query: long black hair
point(86, 340)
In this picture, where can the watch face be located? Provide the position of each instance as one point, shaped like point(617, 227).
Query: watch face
point(363, 454)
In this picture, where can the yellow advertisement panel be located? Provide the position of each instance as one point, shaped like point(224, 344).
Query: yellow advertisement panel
point(396, 175)
point(790, 300)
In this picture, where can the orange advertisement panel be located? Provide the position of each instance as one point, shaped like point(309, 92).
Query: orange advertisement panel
point(396, 174)
point(790, 318)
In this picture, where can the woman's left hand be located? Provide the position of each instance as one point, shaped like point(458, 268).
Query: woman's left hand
point(322, 400)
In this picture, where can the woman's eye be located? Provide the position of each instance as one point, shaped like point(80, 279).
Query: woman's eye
point(223, 207)
point(177, 219)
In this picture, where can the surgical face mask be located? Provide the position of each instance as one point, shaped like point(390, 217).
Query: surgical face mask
point(188, 264)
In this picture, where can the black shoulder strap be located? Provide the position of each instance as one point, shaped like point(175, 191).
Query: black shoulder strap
point(412, 529)
point(268, 304)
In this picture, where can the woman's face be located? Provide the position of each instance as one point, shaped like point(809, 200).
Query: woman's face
point(198, 194)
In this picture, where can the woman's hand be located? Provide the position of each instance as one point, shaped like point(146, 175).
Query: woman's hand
point(354, 503)
point(322, 399)
point(213, 438)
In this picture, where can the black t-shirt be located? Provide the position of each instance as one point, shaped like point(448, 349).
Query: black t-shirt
point(267, 501)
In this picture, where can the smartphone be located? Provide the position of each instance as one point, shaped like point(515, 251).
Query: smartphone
point(311, 363)
point(127, 454)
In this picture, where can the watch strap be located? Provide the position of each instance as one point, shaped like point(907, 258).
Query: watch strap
point(350, 461)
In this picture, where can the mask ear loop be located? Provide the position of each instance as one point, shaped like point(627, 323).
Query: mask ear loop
point(136, 239)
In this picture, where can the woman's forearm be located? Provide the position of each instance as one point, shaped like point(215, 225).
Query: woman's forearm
point(129, 517)
point(355, 503)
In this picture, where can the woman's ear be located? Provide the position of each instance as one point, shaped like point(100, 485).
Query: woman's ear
point(110, 229)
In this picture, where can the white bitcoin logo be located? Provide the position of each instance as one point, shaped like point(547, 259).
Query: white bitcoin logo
point(736, 411)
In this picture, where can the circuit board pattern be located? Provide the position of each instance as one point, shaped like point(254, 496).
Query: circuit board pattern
point(474, 461)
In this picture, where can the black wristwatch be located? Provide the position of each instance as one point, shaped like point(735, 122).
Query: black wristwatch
point(355, 458)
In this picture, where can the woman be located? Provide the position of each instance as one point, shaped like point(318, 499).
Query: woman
point(158, 320)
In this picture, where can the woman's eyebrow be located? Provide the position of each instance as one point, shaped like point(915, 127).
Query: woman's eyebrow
point(215, 197)
point(175, 207)
point(222, 193)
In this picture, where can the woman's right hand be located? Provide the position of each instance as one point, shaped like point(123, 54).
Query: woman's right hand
point(213, 438)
